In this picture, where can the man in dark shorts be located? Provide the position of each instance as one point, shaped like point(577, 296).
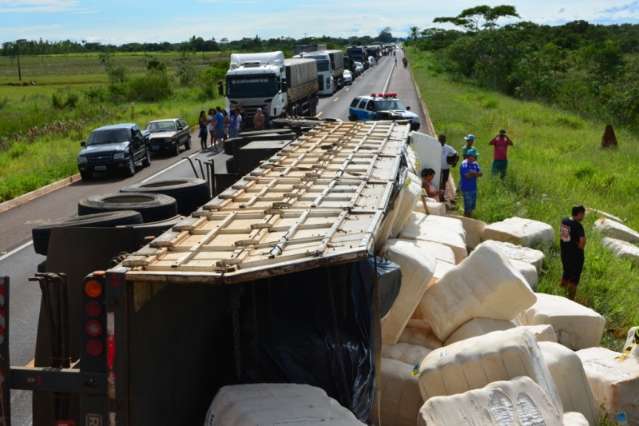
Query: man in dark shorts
point(573, 242)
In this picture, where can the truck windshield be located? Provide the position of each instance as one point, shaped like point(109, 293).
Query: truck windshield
point(389, 105)
point(252, 86)
point(101, 137)
point(322, 63)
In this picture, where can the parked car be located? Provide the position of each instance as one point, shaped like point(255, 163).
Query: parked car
point(381, 106)
point(359, 68)
point(347, 76)
point(118, 147)
point(169, 135)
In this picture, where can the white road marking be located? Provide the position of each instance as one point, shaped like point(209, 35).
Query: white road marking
point(336, 99)
point(16, 250)
point(389, 78)
point(172, 166)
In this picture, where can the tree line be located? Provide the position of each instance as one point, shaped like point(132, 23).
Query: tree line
point(588, 68)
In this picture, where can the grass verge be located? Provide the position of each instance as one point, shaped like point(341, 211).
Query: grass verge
point(557, 162)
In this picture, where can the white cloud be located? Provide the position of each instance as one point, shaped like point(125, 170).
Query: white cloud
point(36, 6)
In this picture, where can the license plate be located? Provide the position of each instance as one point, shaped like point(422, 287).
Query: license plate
point(100, 168)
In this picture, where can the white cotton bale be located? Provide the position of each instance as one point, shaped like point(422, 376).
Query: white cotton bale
point(434, 250)
point(478, 327)
point(405, 203)
point(517, 230)
point(400, 396)
point(434, 207)
point(631, 347)
point(542, 332)
point(411, 159)
point(474, 229)
point(419, 333)
point(569, 376)
point(575, 419)
point(473, 363)
point(622, 249)
point(577, 326)
point(614, 381)
point(428, 151)
point(438, 229)
point(528, 271)
point(613, 229)
point(405, 352)
point(516, 252)
point(384, 231)
point(442, 268)
point(417, 271)
point(517, 402)
point(270, 404)
point(484, 285)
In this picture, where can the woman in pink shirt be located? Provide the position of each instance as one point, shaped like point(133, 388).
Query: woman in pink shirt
point(501, 142)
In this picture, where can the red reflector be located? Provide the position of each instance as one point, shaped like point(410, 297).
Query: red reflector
point(93, 309)
point(93, 328)
point(65, 423)
point(110, 352)
point(94, 347)
point(93, 289)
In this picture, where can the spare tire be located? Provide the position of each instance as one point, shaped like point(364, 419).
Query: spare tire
point(152, 207)
point(190, 193)
point(153, 229)
point(41, 233)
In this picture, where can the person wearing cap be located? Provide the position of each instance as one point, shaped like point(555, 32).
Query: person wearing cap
point(469, 172)
point(449, 158)
point(501, 142)
point(470, 142)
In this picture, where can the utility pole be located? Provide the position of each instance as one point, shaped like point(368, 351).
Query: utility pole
point(18, 57)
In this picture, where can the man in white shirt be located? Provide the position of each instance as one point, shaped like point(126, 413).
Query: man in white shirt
point(448, 158)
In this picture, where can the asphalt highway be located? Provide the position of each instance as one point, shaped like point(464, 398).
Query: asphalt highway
point(19, 261)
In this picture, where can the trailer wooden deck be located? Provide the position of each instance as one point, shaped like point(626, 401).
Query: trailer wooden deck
point(318, 201)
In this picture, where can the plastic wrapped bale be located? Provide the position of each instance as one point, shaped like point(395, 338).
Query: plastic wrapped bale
point(473, 363)
point(622, 249)
point(276, 404)
point(517, 402)
point(411, 159)
point(528, 271)
point(405, 203)
point(631, 347)
point(577, 326)
point(474, 230)
point(520, 253)
point(575, 419)
point(419, 333)
point(400, 396)
point(484, 285)
point(478, 327)
point(543, 332)
point(569, 376)
point(614, 381)
point(438, 229)
point(613, 229)
point(417, 271)
point(433, 207)
point(517, 230)
point(405, 352)
point(384, 231)
point(443, 254)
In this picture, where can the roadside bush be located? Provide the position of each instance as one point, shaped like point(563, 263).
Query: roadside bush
point(153, 86)
point(96, 94)
point(155, 64)
point(185, 71)
point(3, 103)
point(208, 78)
point(59, 101)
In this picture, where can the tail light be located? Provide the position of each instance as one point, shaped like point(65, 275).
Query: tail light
point(94, 322)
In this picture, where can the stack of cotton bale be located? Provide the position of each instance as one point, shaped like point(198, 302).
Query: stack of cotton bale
point(619, 238)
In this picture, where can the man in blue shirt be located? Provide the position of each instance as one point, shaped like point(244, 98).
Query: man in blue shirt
point(469, 172)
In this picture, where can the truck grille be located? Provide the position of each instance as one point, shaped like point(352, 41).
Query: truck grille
point(100, 157)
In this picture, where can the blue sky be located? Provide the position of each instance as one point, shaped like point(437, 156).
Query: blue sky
point(119, 21)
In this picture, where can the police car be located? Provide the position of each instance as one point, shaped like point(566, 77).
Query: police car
point(381, 106)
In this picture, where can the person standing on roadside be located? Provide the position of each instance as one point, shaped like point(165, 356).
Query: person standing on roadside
point(449, 158)
point(219, 129)
point(227, 122)
point(204, 133)
point(238, 121)
point(469, 172)
point(572, 243)
point(501, 142)
point(259, 120)
point(470, 144)
point(210, 124)
point(232, 124)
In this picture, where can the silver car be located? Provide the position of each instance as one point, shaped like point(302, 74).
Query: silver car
point(168, 135)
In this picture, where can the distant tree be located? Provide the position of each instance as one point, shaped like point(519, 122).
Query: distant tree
point(414, 33)
point(479, 17)
point(386, 36)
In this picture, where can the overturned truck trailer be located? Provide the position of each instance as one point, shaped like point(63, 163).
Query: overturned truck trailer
point(271, 281)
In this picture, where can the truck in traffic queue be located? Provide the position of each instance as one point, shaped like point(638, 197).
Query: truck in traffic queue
point(279, 86)
point(325, 77)
point(337, 67)
point(275, 280)
point(358, 54)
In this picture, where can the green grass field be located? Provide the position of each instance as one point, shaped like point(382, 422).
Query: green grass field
point(39, 142)
point(556, 163)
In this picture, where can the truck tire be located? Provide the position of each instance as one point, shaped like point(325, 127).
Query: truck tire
point(153, 229)
point(42, 233)
point(190, 193)
point(152, 207)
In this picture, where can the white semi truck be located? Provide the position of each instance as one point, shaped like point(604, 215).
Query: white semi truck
point(279, 86)
point(337, 66)
point(325, 78)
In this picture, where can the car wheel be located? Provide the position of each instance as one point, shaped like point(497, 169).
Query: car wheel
point(352, 118)
point(175, 150)
point(152, 207)
point(130, 168)
point(41, 234)
point(147, 158)
point(190, 193)
point(86, 175)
